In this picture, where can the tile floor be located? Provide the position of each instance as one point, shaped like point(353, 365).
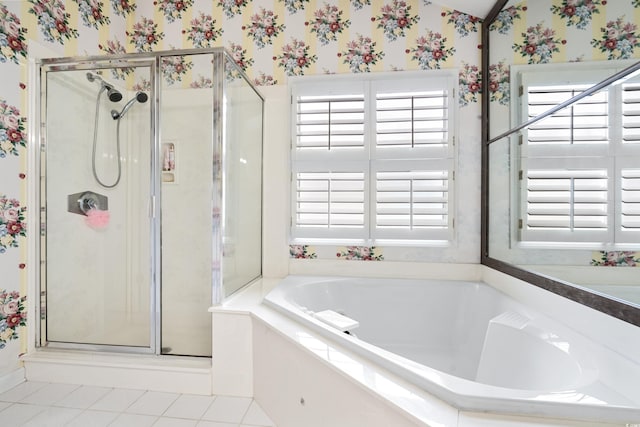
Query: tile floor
point(39, 404)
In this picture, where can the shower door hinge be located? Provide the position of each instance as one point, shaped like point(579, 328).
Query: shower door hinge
point(520, 175)
point(520, 224)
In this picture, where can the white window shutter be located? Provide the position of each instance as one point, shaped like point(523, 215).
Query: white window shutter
point(566, 200)
point(326, 122)
point(631, 113)
point(330, 202)
point(628, 180)
point(412, 198)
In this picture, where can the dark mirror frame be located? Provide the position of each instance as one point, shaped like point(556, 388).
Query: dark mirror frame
point(596, 301)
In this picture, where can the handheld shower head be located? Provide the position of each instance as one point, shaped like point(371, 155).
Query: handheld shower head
point(141, 97)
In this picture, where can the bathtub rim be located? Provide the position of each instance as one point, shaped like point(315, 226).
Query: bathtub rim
point(526, 402)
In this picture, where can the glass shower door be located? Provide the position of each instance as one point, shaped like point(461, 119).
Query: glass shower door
point(96, 198)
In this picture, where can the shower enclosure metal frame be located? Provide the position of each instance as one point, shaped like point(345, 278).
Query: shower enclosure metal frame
point(153, 60)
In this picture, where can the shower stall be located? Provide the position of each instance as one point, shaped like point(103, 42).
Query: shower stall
point(150, 197)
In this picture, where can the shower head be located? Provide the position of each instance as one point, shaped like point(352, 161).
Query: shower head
point(141, 97)
point(113, 93)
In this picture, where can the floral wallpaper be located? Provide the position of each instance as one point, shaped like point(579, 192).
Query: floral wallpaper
point(561, 31)
point(615, 258)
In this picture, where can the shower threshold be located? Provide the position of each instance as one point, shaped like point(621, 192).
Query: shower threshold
point(178, 374)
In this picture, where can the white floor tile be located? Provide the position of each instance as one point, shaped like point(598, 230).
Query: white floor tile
point(117, 400)
point(174, 422)
point(49, 394)
point(227, 409)
point(53, 417)
point(4, 405)
point(133, 420)
point(19, 413)
point(189, 406)
point(93, 418)
point(255, 416)
point(83, 397)
point(152, 403)
point(215, 424)
point(21, 391)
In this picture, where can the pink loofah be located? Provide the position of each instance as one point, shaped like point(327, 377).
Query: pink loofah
point(97, 219)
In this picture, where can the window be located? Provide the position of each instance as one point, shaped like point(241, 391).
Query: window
point(372, 157)
point(579, 174)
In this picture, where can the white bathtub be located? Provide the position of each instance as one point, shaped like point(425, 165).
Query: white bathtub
point(468, 344)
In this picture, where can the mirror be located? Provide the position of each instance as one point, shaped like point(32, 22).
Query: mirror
point(561, 198)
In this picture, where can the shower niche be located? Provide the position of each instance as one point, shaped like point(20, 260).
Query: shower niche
point(169, 169)
point(173, 141)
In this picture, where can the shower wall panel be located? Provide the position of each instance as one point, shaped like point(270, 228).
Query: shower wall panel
point(187, 221)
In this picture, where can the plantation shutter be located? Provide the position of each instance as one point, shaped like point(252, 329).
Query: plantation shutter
point(412, 199)
point(412, 119)
point(363, 158)
point(330, 121)
point(585, 122)
point(330, 203)
point(631, 113)
point(628, 206)
point(566, 200)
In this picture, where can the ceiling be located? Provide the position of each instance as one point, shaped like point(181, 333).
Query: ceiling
point(479, 8)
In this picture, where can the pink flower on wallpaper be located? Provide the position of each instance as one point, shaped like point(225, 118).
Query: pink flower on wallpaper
point(92, 14)
point(470, 83)
point(360, 253)
point(12, 130)
point(538, 44)
point(618, 40)
point(395, 19)
point(239, 55)
point(505, 19)
point(203, 31)
point(264, 27)
point(499, 83)
point(232, 7)
point(123, 7)
point(12, 224)
point(264, 80)
point(301, 252)
point(173, 9)
point(53, 20)
point(361, 54)
point(431, 51)
point(463, 22)
point(13, 314)
point(174, 68)
point(145, 35)
point(295, 58)
point(577, 12)
point(294, 5)
point(12, 37)
point(328, 23)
